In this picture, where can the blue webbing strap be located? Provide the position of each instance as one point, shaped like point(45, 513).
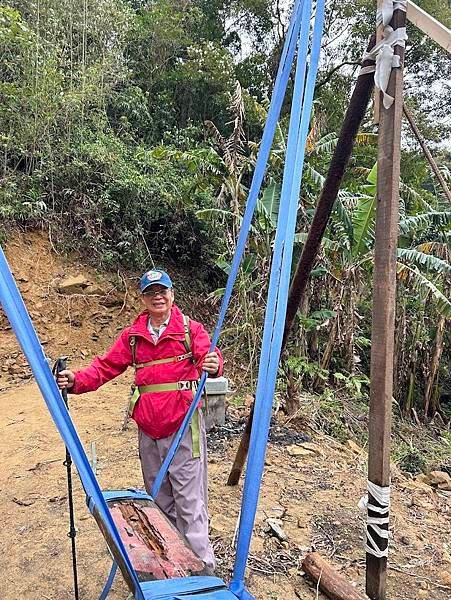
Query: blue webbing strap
point(255, 451)
point(275, 316)
point(285, 195)
point(23, 328)
point(109, 581)
point(260, 166)
point(273, 355)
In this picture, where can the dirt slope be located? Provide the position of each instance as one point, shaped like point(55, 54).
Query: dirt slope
point(315, 496)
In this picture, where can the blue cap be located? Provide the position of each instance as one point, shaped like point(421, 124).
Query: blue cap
point(153, 277)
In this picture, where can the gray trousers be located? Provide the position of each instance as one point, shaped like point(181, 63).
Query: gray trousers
point(183, 495)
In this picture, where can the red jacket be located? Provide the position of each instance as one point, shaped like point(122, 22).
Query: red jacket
point(159, 414)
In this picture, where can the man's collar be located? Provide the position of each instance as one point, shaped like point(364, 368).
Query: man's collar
point(165, 323)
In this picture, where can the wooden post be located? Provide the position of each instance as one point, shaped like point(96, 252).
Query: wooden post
point(384, 291)
point(428, 25)
point(353, 118)
point(241, 454)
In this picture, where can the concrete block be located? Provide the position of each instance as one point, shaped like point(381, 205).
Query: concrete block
point(216, 393)
point(217, 385)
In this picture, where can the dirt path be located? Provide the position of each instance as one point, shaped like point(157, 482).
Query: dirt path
point(314, 496)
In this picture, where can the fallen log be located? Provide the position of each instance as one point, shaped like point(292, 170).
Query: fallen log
point(331, 583)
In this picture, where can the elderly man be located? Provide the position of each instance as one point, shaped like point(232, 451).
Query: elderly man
point(168, 352)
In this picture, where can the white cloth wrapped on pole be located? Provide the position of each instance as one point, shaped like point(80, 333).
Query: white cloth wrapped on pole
point(382, 496)
point(383, 52)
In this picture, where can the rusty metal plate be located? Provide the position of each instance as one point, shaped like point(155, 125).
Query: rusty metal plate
point(155, 548)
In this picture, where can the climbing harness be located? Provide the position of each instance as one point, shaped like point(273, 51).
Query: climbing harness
point(161, 361)
point(161, 387)
point(182, 386)
point(210, 588)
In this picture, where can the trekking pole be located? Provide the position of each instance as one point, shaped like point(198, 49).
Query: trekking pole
point(60, 365)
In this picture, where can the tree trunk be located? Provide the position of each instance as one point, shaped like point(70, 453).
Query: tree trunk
point(398, 362)
point(350, 326)
point(408, 405)
point(327, 355)
point(435, 362)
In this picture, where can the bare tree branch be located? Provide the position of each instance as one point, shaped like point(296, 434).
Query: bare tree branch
point(328, 77)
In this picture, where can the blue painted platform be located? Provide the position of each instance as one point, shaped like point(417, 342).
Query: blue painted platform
point(188, 588)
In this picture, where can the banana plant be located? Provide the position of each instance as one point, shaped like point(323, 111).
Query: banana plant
point(418, 264)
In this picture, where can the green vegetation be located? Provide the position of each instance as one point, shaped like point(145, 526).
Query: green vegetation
point(129, 129)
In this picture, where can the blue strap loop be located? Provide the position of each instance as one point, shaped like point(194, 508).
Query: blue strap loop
point(262, 159)
point(278, 290)
point(274, 318)
point(109, 582)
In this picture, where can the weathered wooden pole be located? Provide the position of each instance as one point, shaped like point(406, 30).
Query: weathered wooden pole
point(383, 324)
point(356, 110)
point(353, 118)
point(427, 152)
point(241, 453)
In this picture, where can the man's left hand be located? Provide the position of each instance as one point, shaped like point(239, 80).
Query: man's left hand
point(211, 363)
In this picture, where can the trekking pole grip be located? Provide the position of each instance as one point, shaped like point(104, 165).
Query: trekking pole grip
point(61, 365)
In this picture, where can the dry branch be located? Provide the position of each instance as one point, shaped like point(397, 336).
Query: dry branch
point(331, 583)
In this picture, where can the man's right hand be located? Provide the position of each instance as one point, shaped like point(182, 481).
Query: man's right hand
point(65, 379)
